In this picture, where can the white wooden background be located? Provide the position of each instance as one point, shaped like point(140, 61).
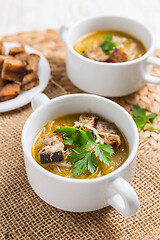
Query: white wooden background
point(26, 15)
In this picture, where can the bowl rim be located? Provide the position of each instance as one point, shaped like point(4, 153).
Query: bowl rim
point(28, 154)
point(137, 60)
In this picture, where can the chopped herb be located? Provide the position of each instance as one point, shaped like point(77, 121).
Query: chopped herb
point(103, 152)
point(108, 44)
point(78, 139)
point(85, 159)
point(82, 157)
point(142, 120)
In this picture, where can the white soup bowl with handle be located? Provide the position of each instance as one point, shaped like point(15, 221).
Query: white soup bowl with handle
point(82, 195)
point(109, 79)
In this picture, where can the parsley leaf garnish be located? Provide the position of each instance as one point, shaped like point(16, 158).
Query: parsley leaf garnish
point(92, 163)
point(108, 44)
point(103, 152)
point(85, 159)
point(79, 138)
point(82, 157)
point(142, 120)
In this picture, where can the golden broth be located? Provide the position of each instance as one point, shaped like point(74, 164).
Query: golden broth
point(128, 44)
point(117, 159)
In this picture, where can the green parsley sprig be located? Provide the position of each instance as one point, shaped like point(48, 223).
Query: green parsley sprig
point(108, 44)
point(82, 157)
point(78, 139)
point(142, 120)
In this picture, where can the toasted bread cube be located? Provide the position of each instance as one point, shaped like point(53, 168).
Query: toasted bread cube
point(117, 56)
point(9, 91)
point(15, 50)
point(2, 49)
point(1, 83)
point(23, 57)
point(13, 70)
point(32, 62)
point(95, 54)
point(29, 81)
point(2, 58)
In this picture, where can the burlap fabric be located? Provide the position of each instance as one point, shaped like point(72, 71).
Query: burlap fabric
point(25, 216)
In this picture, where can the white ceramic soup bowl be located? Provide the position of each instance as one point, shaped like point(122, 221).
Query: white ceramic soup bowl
point(109, 79)
point(82, 195)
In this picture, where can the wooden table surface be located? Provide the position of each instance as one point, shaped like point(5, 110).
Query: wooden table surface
point(26, 15)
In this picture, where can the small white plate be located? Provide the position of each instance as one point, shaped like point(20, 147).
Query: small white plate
point(25, 97)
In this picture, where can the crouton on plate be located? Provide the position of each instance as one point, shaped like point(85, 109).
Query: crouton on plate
point(9, 91)
point(32, 62)
point(2, 58)
point(13, 70)
point(2, 49)
point(29, 81)
point(15, 50)
point(23, 56)
point(3, 82)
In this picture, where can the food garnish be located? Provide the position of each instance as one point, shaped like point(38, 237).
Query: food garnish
point(142, 119)
point(86, 151)
point(108, 44)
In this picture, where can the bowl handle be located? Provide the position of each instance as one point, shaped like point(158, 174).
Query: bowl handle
point(63, 33)
point(147, 78)
point(39, 100)
point(124, 199)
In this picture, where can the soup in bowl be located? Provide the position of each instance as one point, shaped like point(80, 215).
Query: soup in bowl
point(82, 146)
point(80, 194)
point(109, 46)
point(109, 56)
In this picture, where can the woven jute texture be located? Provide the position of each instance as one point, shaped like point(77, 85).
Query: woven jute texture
point(25, 216)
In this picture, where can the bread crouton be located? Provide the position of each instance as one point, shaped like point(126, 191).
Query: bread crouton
point(13, 70)
point(2, 49)
point(9, 91)
point(15, 50)
point(95, 54)
point(2, 58)
point(1, 83)
point(32, 62)
point(117, 56)
point(29, 81)
point(23, 57)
